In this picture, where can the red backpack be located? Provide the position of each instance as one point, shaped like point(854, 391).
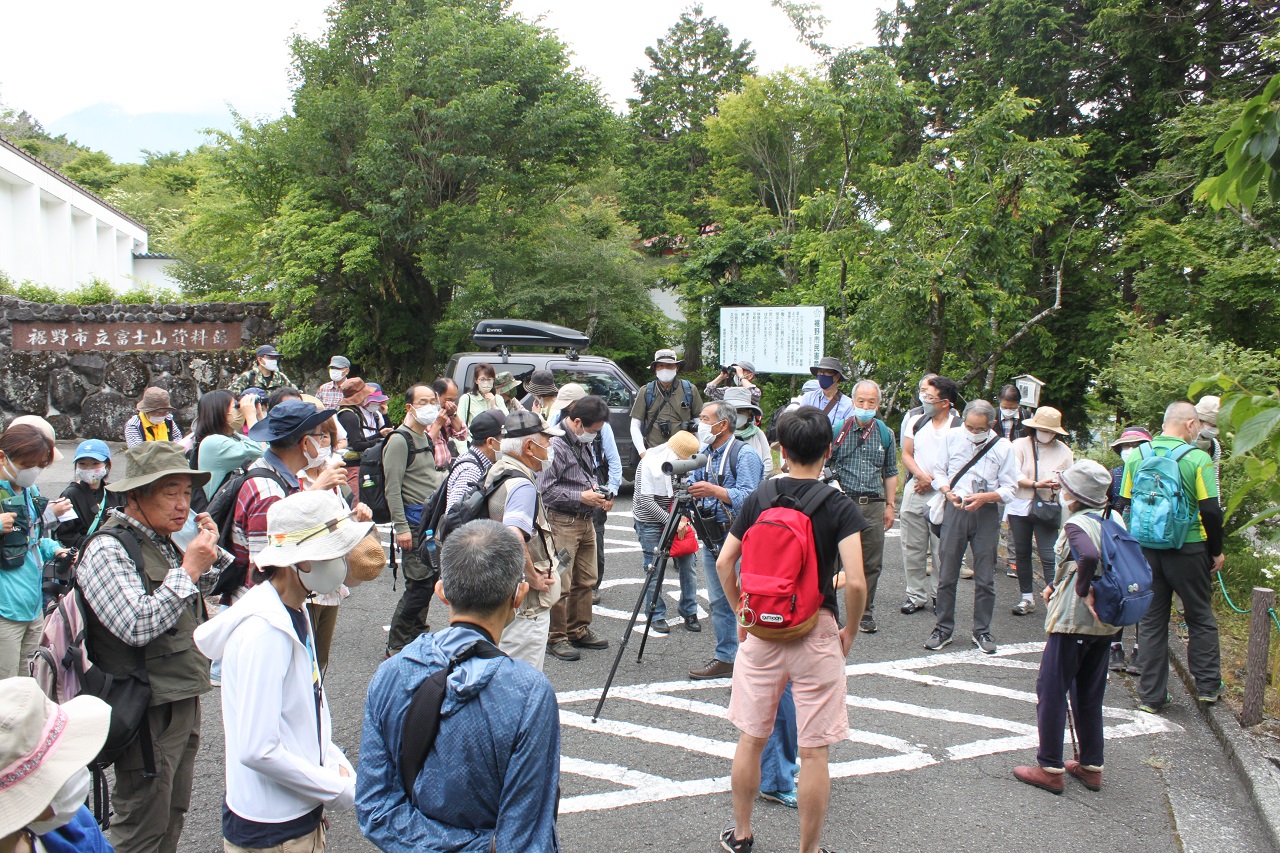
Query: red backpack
point(779, 572)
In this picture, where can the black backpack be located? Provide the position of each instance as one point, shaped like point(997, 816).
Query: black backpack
point(222, 509)
point(373, 477)
point(473, 505)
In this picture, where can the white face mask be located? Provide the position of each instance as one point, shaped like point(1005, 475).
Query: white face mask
point(322, 454)
point(325, 575)
point(90, 475)
point(22, 478)
point(550, 455)
point(270, 365)
point(427, 414)
point(1126, 452)
point(584, 436)
point(667, 374)
point(70, 797)
point(706, 433)
point(1065, 498)
point(485, 385)
point(980, 438)
point(740, 421)
point(1208, 431)
point(1008, 413)
point(337, 374)
point(1045, 436)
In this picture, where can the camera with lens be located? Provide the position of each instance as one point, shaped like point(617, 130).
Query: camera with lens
point(605, 492)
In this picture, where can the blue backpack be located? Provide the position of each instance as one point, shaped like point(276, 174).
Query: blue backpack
point(1160, 513)
point(1122, 592)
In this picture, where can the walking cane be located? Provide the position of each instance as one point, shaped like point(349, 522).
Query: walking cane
point(1071, 724)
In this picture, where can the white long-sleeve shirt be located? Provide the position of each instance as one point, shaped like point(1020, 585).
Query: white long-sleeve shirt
point(997, 471)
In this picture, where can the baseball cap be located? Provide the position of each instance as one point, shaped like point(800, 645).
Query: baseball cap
point(267, 350)
point(486, 425)
point(339, 361)
point(522, 423)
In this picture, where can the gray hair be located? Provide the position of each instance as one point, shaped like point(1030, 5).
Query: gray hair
point(981, 407)
point(723, 411)
point(1178, 411)
point(481, 567)
point(513, 446)
point(862, 382)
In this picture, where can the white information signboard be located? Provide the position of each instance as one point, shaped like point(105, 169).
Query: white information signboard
point(775, 339)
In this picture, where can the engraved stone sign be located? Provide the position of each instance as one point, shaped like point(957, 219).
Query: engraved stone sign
point(125, 337)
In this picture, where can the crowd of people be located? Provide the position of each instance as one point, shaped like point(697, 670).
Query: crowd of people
point(222, 555)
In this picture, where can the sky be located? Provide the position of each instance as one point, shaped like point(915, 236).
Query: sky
point(151, 75)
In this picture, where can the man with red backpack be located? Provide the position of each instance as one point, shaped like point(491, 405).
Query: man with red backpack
point(793, 535)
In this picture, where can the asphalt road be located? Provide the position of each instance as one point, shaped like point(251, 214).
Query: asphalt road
point(927, 767)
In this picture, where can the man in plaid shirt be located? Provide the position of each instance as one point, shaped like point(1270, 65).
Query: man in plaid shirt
point(144, 611)
point(865, 463)
point(330, 393)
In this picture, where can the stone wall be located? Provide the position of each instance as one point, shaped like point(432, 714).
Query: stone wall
point(92, 393)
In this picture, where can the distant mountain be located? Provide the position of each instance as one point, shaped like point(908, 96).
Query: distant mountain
point(123, 136)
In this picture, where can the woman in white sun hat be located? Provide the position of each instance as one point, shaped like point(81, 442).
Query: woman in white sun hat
point(45, 749)
point(283, 768)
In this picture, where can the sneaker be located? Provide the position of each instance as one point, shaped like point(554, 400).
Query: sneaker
point(786, 798)
point(908, 607)
point(937, 640)
point(562, 650)
point(1117, 663)
point(595, 596)
point(660, 626)
point(868, 624)
point(1211, 697)
point(691, 623)
point(1040, 778)
point(1092, 779)
point(966, 573)
point(589, 639)
point(713, 669)
point(1155, 707)
point(1012, 571)
point(1024, 607)
point(735, 845)
point(984, 642)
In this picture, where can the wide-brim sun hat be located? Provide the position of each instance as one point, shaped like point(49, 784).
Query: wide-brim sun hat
point(740, 399)
point(93, 449)
point(541, 383)
point(1088, 481)
point(504, 382)
point(42, 425)
point(152, 460)
point(155, 399)
point(1130, 437)
point(355, 392)
point(289, 418)
point(667, 357)
point(309, 526)
point(42, 745)
point(828, 362)
point(570, 392)
point(1046, 417)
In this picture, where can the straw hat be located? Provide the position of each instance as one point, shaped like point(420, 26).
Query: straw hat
point(42, 425)
point(1046, 417)
point(147, 462)
point(365, 561)
point(310, 526)
point(683, 444)
point(42, 745)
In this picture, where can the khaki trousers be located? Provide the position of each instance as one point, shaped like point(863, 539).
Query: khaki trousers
point(571, 615)
point(312, 842)
point(149, 813)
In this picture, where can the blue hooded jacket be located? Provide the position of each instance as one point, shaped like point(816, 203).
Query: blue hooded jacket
point(491, 779)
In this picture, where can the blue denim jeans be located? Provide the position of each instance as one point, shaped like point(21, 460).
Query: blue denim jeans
point(650, 535)
point(722, 618)
point(778, 764)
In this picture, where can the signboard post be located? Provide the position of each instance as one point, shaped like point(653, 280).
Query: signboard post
point(774, 339)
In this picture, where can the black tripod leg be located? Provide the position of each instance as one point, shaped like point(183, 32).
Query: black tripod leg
point(661, 575)
point(650, 572)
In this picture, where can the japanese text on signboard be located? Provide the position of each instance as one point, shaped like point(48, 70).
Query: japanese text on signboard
point(775, 340)
point(124, 337)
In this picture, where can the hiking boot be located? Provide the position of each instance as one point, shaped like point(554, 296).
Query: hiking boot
point(691, 623)
point(1155, 707)
point(735, 845)
point(562, 650)
point(966, 573)
point(1092, 779)
point(713, 669)
point(908, 607)
point(1211, 697)
point(660, 626)
point(786, 798)
point(868, 624)
point(589, 639)
point(1040, 778)
point(1024, 607)
point(1117, 663)
point(937, 640)
point(984, 642)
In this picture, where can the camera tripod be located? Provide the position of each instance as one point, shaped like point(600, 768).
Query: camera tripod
point(683, 505)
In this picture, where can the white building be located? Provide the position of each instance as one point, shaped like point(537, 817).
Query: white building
point(56, 233)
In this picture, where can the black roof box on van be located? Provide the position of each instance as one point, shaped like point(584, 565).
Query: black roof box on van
point(527, 333)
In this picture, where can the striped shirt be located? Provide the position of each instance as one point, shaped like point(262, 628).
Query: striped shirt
point(135, 435)
point(256, 495)
point(468, 469)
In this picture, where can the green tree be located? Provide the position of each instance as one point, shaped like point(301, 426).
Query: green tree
point(95, 171)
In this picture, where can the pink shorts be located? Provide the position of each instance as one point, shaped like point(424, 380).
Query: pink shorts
point(814, 666)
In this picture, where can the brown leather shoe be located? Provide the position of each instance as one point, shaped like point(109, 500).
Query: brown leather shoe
point(713, 669)
point(1040, 778)
point(1092, 779)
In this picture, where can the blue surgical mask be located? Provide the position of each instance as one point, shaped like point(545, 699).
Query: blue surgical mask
point(825, 381)
point(864, 415)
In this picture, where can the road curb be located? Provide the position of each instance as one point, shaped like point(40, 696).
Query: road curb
point(1259, 775)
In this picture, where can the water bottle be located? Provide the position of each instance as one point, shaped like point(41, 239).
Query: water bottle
point(432, 547)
